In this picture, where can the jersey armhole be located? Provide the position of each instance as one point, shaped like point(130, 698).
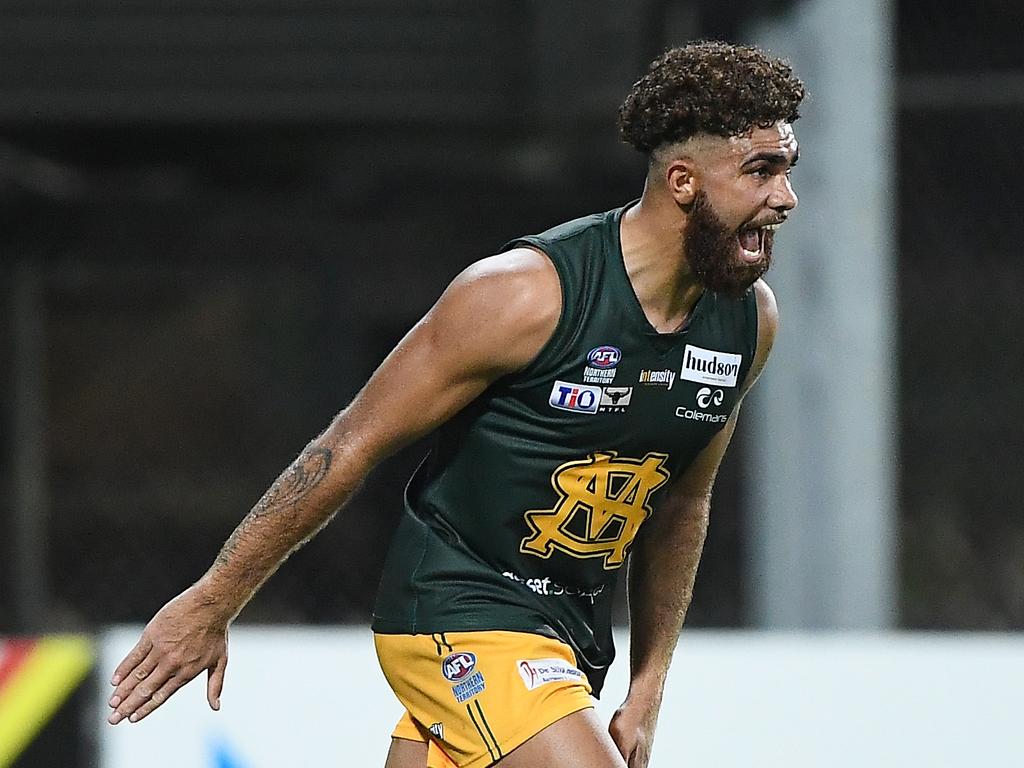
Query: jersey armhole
point(551, 353)
point(753, 320)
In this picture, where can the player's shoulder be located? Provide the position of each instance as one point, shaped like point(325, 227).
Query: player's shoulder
point(523, 264)
point(521, 281)
point(506, 306)
point(767, 308)
point(767, 325)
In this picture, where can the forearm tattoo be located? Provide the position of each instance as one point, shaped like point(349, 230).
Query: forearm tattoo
point(304, 475)
point(298, 480)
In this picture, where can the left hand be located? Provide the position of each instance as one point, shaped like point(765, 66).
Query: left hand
point(187, 636)
point(632, 729)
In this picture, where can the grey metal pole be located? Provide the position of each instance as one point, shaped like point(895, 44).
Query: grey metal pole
point(28, 444)
point(821, 496)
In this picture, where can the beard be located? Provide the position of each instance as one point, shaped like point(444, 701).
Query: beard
point(712, 250)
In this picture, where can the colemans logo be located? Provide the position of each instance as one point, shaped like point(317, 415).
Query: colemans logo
point(603, 502)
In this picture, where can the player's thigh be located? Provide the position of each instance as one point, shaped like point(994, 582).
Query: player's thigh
point(405, 753)
point(578, 740)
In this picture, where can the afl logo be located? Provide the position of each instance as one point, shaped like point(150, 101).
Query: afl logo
point(457, 666)
point(604, 357)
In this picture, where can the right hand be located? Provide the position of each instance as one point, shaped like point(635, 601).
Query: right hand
point(185, 637)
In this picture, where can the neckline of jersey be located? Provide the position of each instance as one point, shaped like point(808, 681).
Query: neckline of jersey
point(635, 307)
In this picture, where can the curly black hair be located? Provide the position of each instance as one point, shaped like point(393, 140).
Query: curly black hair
point(708, 87)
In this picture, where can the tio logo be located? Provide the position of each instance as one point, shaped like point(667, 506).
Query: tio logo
point(706, 397)
point(567, 396)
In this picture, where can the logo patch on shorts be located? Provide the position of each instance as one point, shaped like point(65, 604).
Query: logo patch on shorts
point(460, 668)
point(457, 666)
point(537, 672)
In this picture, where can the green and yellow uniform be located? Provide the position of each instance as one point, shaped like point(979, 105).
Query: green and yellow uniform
point(523, 513)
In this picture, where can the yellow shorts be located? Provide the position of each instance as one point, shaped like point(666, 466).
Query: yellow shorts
point(476, 696)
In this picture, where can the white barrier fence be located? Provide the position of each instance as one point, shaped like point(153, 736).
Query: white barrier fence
point(315, 697)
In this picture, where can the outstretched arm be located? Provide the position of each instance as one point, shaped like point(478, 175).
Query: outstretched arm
point(663, 566)
point(444, 362)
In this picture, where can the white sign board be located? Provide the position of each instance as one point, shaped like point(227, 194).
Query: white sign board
point(310, 697)
point(292, 697)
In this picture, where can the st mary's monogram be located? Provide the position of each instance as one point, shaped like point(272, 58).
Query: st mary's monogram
point(603, 502)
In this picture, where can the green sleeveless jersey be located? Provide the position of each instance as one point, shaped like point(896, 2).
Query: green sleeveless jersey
point(523, 513)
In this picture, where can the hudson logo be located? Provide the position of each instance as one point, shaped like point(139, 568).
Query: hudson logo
point(706, 397)
point(706, 366)
point(567, 396)
point(458, 666)
point(604, 357)
point(603, 502)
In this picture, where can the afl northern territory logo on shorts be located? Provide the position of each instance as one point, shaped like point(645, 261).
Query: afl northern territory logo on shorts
point(460, 668)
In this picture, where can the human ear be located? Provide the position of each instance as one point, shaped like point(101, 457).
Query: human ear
point(682, 184)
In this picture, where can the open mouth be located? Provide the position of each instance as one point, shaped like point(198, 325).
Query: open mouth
point(752, 241)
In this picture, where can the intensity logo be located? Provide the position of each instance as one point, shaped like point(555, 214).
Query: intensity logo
point(603, 502)
point(665, 378)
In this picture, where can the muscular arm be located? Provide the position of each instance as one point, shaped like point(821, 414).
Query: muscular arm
point(444, 362)
point(663, 566)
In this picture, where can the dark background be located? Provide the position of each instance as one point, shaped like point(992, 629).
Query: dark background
point(235, 211)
